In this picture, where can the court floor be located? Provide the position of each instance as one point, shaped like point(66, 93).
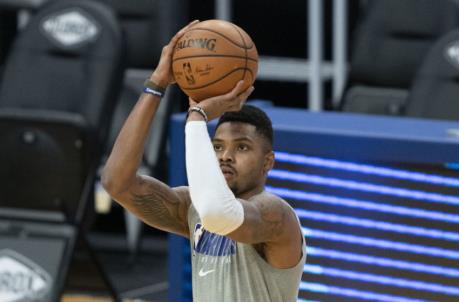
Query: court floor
point(142, 278)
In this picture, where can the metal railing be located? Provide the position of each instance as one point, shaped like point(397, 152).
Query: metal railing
point(313, 70)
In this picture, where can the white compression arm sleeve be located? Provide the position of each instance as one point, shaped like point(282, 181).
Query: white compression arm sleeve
point(218, 208)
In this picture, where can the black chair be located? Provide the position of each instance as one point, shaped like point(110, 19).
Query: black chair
point(59, 90)
point(435, 90)
point(389, 45)
point(147, 26)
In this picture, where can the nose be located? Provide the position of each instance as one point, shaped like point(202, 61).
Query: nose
point(226, 156)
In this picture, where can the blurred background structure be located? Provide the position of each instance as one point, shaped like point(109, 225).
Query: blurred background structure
point(369, 87)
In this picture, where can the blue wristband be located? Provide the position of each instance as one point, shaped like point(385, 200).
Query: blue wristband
point(152, 91)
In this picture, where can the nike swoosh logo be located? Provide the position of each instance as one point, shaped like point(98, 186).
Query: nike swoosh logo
point(205, 273)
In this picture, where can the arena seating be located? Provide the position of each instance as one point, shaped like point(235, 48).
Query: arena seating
point(57, 97)
point(56, 101)
point(390, 44)
point(435, 89)
point(147, 26)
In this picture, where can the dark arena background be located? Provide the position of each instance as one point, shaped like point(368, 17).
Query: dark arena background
point(363, 95)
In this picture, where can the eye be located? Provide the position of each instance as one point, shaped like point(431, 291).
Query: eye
point(218, 147)
point(243, 147)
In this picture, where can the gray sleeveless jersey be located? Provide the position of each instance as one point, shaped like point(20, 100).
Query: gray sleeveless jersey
point(224, 270)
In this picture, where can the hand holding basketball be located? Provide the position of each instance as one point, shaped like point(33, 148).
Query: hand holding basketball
point(163, 75)
point(214, 107)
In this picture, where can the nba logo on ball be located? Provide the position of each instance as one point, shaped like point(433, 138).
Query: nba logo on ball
point(211, 57)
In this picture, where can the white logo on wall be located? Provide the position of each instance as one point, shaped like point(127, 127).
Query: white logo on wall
point(70, 28)
point(21, 280)
point(452, 53)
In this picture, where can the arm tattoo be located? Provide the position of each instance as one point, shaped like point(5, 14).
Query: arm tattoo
point(161, 207)
point(272, 218)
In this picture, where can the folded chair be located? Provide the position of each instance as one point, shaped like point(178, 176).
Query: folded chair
point(58, 93)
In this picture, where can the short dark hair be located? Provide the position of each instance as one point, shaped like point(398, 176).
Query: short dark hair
point(251, 115)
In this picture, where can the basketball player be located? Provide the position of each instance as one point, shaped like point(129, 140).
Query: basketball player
point(246, 243)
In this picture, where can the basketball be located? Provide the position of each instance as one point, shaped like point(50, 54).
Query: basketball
point(211, 57)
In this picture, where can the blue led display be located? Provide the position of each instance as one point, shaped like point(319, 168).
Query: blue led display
point(375, 232)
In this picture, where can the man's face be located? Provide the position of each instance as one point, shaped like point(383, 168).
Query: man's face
point(243, 156)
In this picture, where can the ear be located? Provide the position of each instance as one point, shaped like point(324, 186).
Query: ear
point(269, 162)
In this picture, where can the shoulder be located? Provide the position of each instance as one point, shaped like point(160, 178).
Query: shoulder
point(268, 196)
point(271, 201)
point(277, 213)
point(283, 248)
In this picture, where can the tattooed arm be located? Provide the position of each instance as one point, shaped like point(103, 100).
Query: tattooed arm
point(158, 205)
point(151, 200)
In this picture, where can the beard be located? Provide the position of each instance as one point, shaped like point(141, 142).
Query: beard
point(234, 188)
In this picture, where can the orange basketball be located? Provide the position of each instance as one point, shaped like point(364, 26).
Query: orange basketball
point(211, 57)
